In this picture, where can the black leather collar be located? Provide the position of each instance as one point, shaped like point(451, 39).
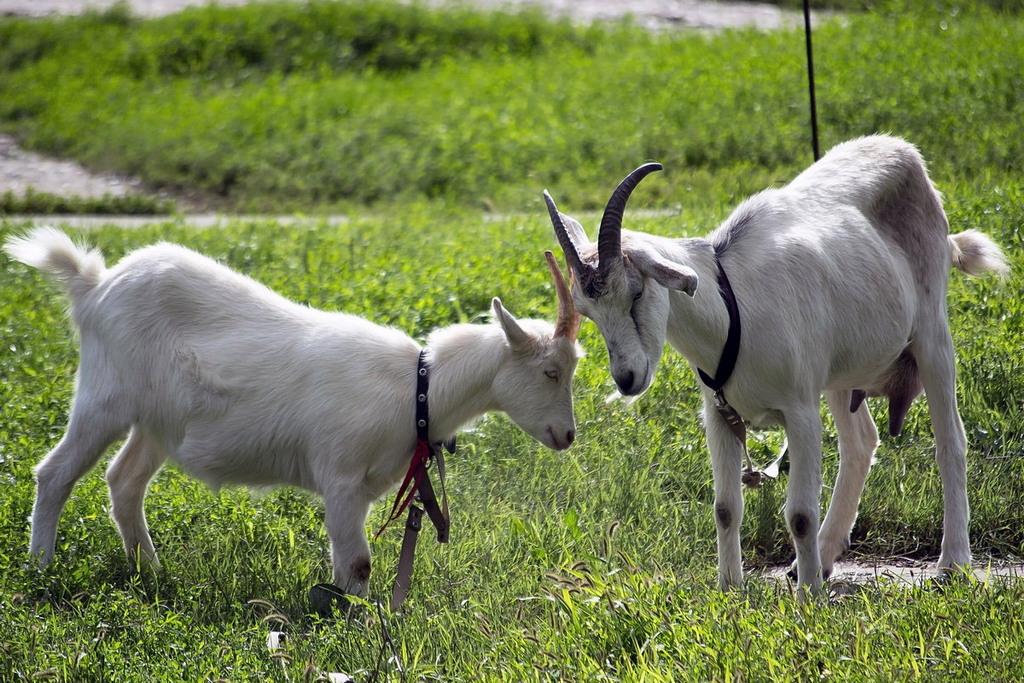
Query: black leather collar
point(422, 384)
point(422, 416)
point(727, 361)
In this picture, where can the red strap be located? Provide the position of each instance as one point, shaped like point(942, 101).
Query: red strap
point(417, 468)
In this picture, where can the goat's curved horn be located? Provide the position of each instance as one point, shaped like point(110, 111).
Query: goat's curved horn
point(609, 244)
point(572, 254)
point(568, 323)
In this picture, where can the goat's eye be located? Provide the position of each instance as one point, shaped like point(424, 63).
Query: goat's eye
point(551, 374)
point(640, 293)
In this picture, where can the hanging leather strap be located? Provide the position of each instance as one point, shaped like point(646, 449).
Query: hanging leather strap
point(413, 523)
point(421, 487)
point(438, 513)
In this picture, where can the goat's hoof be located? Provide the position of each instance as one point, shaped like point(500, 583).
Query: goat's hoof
point(951, 575)
point(826, 572)
point(325, 598)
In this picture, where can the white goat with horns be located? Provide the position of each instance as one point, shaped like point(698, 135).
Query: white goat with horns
point(239, 385)
point(840, 282)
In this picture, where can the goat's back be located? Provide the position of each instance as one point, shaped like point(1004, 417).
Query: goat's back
point(166, 293)
point(885, 179)
point(845, 258)
point(216, 365)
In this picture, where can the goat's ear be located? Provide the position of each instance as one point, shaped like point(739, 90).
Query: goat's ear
point(668, 274)
point(517, 338)
point(575, 230)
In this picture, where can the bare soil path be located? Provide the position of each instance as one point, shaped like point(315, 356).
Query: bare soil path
point(911, 573)
point(700, 14)
point(21, 170)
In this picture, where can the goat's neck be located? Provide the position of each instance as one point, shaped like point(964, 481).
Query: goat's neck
point(464, 361)
point(697, 325)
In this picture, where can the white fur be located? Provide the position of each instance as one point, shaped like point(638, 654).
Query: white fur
point(236, 384)
point(835, 275)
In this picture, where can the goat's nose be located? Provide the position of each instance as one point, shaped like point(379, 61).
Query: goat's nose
point(570, 437)
point(625, 382)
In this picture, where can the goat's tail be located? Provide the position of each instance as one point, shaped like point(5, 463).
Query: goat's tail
point(79, 269)
point(975, 253)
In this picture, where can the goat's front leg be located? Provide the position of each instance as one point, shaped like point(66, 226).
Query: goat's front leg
point(726, 461)
point(803, 496)
point(347, 508)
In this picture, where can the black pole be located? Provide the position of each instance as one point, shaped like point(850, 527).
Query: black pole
point(810, 79)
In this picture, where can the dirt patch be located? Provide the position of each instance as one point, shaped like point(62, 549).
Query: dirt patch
point(21, 170)
point(656, 14)
point(850, 573)
point(666, 14)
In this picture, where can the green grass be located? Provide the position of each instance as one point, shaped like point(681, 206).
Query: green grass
point(595, 563)
point(34, 202)
point(598, 561)
point(334, 105)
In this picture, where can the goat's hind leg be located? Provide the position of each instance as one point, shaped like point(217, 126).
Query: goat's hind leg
point(936, 360)
point(803, 494)
point(91, 429)
point(128, 476)
point(858, 440)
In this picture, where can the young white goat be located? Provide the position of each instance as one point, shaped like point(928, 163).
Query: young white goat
point(840, 283)
point(239, 385)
